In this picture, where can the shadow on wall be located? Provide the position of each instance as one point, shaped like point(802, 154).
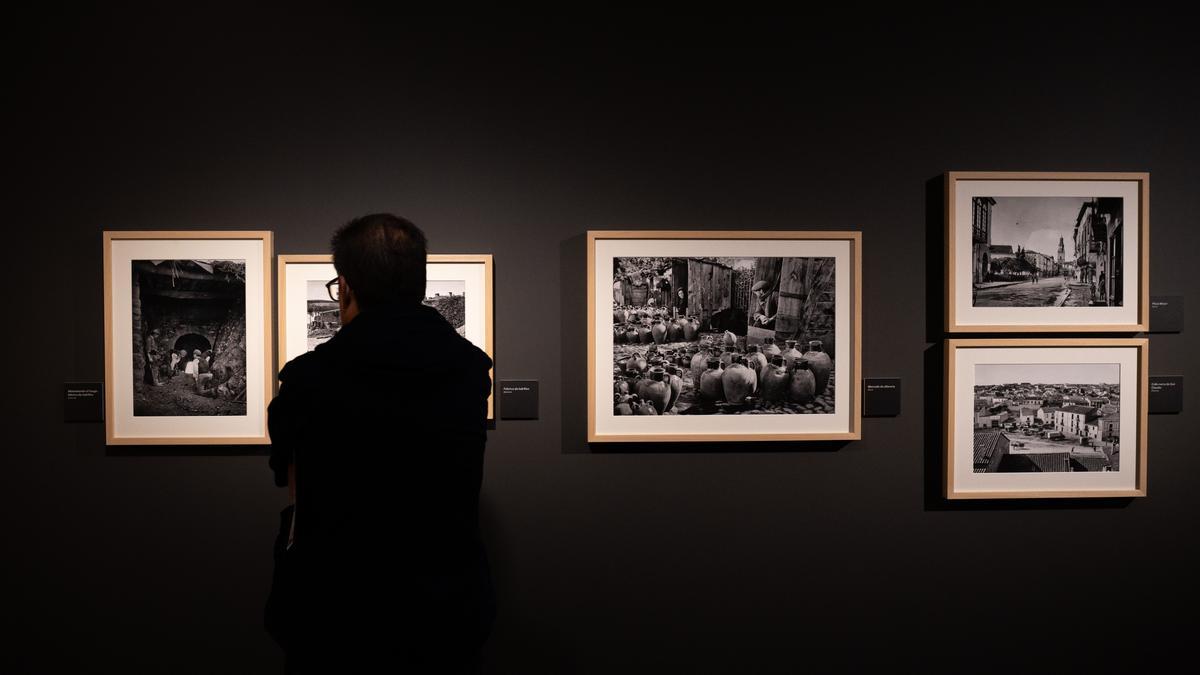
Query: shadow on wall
point(935, 384)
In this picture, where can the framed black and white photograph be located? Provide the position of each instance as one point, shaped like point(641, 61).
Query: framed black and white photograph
point(723, 336)
point(1047, 252)
point(459, 287)
point(187, 337)
point(1046, 418)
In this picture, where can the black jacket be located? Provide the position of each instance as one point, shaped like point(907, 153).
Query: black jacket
point(387, 423)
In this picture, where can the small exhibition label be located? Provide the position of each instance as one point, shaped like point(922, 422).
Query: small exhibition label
point(881, 396)
point(1166, 314)
point(83, 402)
point(519, 399)
point(1166, 395)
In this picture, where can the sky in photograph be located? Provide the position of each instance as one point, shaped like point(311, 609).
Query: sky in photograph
point(316, 291)
point(1047, 373)
point(457, 287)
point(1035, 223)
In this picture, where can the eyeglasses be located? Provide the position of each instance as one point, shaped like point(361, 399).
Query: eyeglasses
point(331, 287)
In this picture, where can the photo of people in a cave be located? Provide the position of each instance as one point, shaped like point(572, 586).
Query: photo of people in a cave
point(189, 337)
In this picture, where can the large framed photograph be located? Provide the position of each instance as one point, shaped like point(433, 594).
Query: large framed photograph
point(459, 287)
point(1047, 252)
point(724, 336)
point(1046, 418)
point(187, 337)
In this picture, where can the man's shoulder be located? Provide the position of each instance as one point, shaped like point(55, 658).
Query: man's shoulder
point(306, 367)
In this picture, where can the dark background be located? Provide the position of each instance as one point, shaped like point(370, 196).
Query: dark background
point(515, 141)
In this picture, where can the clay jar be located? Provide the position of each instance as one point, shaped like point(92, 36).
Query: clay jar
point(726, 357)
point(675, 379)
point(659, 332)
point(655, 390)
point(821, 364)
point(691, 329)
point(791, 354)
point(641, 407)
point(644, 335)
point(621, 406)
point(620, 384)
point(631, 334)
point(769, 347)
point(697, 365)
point(755, 360)
point(738, 381)
point(675, 331)
point(636, 363)
point(730, 340)
point(803, 387)
point(775, 380)
point(618, 335)
point(710, 380)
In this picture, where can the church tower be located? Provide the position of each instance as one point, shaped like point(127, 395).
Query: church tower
point(1061, 251)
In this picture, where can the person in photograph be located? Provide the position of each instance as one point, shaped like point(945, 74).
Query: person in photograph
point(765, 304)
point(150, 376)
point(193, 365)
point(380, 559)
point(176, 360)
point(681, 301)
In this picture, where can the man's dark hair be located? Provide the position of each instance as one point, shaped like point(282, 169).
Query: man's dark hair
point(382, 257)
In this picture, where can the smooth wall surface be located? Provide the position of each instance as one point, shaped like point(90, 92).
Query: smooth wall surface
point(730, 558)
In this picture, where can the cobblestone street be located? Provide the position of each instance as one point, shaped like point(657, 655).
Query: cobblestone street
point(1044, 293)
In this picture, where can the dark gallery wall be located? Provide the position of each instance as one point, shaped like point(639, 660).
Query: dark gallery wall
point(733, 558)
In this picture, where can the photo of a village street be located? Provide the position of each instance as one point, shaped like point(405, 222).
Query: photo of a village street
point(1047, 418)
point(1047, 251)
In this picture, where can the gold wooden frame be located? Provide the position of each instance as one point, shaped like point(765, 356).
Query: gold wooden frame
point(110, 236)
point(1143, 239)
point(1141, 414)
point(855, 239)
point(484, 259)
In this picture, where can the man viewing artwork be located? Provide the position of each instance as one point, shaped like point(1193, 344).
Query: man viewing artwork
point(380, 431)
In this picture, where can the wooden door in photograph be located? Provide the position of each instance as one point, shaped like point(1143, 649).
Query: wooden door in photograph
point(792, 296)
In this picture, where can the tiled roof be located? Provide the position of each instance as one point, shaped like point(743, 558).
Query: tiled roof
point(1079, 410)
point(1028, 411)
point(1034, 462)
point(1089, 463)
point(1054, 461)
point(1050, 409)
point(986, 443)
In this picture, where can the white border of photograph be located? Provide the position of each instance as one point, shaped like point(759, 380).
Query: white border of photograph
point(842, 424)
point(962, 316)
point(121, 248)
point(295, 271)
point(961, 358)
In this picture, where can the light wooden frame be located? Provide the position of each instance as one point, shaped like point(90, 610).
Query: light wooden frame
point(484, 259)
point(855, 239)
point(1141, 414)
point(1143, 238)
point(267, 238)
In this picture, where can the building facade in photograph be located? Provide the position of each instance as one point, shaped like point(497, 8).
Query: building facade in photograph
point(981, 237)
point(1073, 420)
point(1097, 235)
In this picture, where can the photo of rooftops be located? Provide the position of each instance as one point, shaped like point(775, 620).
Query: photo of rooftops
point(1047, 417)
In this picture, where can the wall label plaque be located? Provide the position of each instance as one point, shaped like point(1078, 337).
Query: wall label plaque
point(1166, 394)
point(519, 399)
point(881, 396)
point(1166, 314)
point(83, 402)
